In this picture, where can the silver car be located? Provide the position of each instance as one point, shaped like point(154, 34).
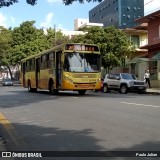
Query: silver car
point(124, 83)
point(7, 82)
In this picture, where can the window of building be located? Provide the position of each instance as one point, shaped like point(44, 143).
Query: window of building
point(128, 16)
point(135, 41)
point(134, 8)
point(128, 8)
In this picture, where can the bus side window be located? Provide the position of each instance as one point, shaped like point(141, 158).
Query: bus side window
point(33, 64)
point(43, 62)
point(47, 60)
point(51, 61)
point(28, 65)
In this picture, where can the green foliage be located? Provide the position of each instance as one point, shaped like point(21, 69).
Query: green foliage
point(55, 38)
point(114, 44)
point(7, 3)
point(27, 40)
point(5, 40)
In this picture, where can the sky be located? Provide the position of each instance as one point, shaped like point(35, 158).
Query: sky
point(50, 13)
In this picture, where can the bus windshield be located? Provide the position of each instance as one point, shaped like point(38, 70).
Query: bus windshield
point(81, 62)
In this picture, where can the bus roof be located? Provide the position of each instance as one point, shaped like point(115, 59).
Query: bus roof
point(56, 48)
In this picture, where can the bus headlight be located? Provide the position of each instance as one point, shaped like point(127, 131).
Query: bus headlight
point(69, 80)
point(99, 79)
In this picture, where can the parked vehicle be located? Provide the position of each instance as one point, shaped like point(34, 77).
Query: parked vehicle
point(124, 83)
point(7, 82)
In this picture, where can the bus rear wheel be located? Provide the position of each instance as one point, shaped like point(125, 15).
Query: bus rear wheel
point(82, 92)
point(29, 86)
point(51, 89)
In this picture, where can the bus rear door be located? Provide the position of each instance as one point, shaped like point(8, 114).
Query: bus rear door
point(37, 70)
point(58, 70)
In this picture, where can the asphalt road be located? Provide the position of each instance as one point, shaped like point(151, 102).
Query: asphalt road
point(70, 122)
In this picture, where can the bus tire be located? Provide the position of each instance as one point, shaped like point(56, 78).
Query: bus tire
point(51, 88)
point(29, 86)
point(82, 92)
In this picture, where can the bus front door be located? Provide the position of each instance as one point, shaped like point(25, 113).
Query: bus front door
point(37, 72)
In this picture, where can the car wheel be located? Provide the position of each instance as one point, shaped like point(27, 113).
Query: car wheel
point(105, 88)
point(123, 89)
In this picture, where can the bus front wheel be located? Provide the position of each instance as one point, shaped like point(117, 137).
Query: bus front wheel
point(82, 92)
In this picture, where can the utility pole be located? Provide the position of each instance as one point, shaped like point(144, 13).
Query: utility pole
point(55, 35)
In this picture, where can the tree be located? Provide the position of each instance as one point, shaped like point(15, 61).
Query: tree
point(5, 41)
point(114, 44)
point(5, 38)
point(27, 40)
point(7, 3)
point(22, 41)
point(55, 37)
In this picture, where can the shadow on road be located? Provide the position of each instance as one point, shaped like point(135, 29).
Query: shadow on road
point(18, 96)
point(39, 138)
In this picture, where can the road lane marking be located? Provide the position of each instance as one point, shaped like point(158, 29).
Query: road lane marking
point(9, 128)
point(137, 104)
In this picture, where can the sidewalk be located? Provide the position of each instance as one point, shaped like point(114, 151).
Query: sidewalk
point(153, 90)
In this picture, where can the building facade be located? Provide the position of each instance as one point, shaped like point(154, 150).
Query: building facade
point(119, 13)
point(81, 23)
point(153, 46)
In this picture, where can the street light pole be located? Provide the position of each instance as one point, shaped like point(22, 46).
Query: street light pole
point(55, 35)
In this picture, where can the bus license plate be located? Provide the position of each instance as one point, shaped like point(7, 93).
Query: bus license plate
point(84, 85)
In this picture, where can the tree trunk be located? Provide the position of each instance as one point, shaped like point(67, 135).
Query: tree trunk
point(10, 72)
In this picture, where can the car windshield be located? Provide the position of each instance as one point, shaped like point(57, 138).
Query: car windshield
point(7, 80)
point(127, 76)
point(81, 62)
point(134, 77)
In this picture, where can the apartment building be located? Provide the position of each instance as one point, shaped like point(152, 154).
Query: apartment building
point(119, 13)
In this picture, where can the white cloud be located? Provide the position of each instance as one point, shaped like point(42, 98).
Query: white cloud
point(12, 19)
point(53, 1)
point(48, 21)
point(3, 20)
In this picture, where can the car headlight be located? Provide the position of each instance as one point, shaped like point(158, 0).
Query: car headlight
point(131, 83)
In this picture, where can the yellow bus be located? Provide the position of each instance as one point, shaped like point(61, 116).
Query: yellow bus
point(71, 66)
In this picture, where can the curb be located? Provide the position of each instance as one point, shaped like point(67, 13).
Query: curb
point(12, 140)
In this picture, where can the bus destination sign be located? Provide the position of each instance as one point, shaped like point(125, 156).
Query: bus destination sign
point(80, 47)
